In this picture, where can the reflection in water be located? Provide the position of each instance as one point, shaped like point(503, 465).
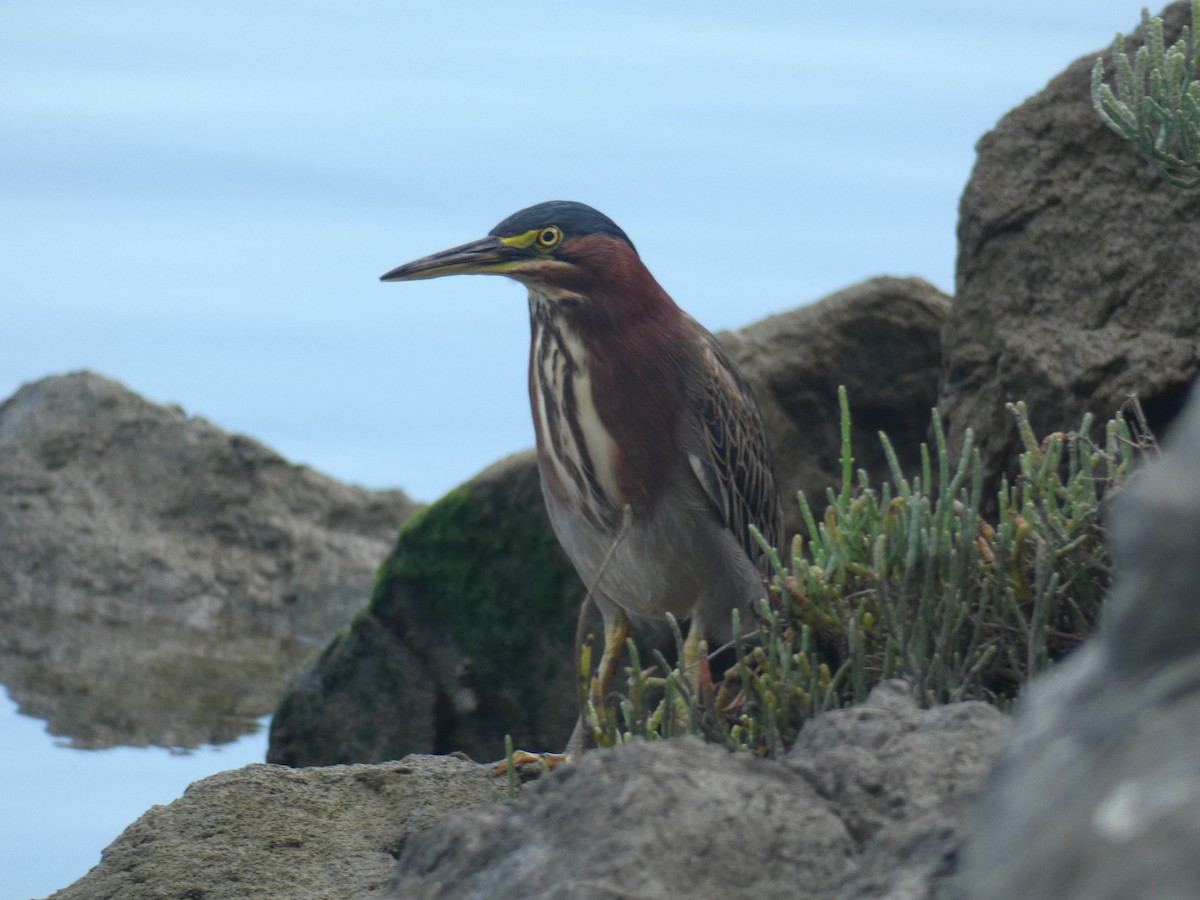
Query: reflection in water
point(104, 683)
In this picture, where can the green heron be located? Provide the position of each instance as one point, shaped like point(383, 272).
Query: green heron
point(653, 458)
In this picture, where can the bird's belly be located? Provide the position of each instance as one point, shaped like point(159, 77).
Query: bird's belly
point(648, 567)
point(623, 568)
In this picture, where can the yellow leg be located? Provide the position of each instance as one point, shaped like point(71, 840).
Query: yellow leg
point(691, 665)
point(694, 649)
point(616, 632)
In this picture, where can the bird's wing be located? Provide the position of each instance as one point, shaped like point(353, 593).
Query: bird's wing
point(736, 470)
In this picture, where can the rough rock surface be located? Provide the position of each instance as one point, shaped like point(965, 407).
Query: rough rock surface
point(270, 832)
point(1096, 794)
point(1071, 292)
point(478, 580)
point(469, 636)
point(682, 818)
point(865, 805)
point(896, 776)
point(882, 340)
point(159, 577)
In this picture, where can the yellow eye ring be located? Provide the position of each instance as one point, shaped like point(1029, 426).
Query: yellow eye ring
point(548, 237)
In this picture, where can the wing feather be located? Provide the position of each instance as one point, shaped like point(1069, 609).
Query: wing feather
point(736, 468)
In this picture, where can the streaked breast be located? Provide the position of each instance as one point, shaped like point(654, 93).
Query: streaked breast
point(572, 439)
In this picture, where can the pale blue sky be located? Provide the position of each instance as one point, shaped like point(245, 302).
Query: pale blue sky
point(198, 199)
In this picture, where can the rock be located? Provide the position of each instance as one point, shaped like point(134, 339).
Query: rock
point(671, 819)
point(1096, 793)
point(269, 832)
point(1070, 292)
point(469, 636)
point(864, 805)
point(897, 776)
point(158, 577)
point(682, 818)
point(882, 340)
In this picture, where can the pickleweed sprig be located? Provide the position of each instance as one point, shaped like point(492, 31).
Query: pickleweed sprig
point(1153, 100)
point(909, 579)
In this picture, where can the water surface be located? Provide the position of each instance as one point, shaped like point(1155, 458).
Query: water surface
point(62, 806)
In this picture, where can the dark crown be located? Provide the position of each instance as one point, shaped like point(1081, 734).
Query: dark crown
point(575, 220)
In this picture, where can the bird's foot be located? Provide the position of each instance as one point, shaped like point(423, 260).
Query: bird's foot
point(522, 758)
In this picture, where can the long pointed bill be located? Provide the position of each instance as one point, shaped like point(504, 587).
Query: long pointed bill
point(487, 256)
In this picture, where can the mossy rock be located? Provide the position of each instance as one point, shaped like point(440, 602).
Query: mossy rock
point(469, 635)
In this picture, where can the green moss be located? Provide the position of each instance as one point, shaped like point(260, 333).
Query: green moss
point(500, 590)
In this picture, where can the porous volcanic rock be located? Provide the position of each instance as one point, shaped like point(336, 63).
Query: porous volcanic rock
point(865, 805)
point(1074, 283)
point(270, 832)
point(880, 784)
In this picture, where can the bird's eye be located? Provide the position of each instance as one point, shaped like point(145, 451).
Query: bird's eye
point(549, 236)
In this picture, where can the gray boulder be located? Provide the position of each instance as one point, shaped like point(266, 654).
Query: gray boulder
point(270, 832)
point(159, 577)
point(1096, 793)
point(1070, 289)
point(864, 805)
point(897, 777)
